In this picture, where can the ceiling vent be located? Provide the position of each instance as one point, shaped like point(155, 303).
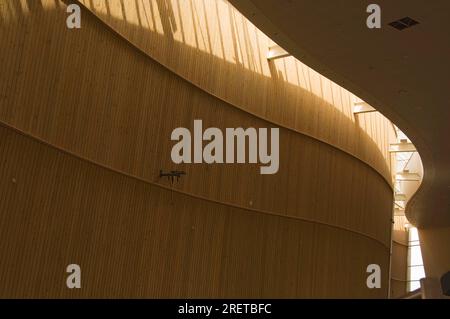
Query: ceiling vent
point(403, 23)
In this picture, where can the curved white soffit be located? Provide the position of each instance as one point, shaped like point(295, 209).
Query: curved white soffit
point(430, 205)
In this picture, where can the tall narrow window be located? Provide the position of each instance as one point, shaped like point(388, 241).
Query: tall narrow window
point(415, 263)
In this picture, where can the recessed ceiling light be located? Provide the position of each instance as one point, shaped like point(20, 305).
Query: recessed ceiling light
point(403, 23)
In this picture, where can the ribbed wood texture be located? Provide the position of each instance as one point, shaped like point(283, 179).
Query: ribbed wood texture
point(399, 257)
point(200, 40)
point(133, 239)
point(226, 230)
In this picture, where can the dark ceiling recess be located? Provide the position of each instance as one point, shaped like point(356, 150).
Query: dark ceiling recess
point(403, 23)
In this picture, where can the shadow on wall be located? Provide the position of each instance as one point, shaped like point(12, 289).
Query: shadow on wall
point(284, 244)
point(185, 42)
point(288, 79)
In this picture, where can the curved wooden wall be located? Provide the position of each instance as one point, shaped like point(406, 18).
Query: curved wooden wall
point(133, 239)
point(399, 258)
point(213, 46)
point(224, 230)
point(435, 252)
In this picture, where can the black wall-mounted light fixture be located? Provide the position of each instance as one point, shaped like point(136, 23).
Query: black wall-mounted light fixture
point(171, 175)
point(403, 23)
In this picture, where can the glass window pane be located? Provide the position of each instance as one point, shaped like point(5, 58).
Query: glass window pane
point(416, 272)
point(413, 285)
point(415, 256)
point(413, 234)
